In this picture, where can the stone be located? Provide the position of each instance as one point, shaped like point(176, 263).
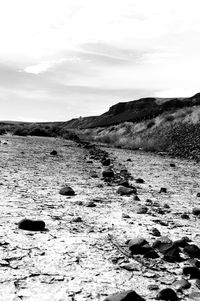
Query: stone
point(192, 251)
point(53, 153)
point(153, 287)
point(90, 204)
point(198, 195)
point(185, 216)
point(136, 198)
point(67, 191)
point(172, 165)
point(122, 190)
point(124, 215)
point(182, 284)
point(108, 173)
point(125, 296)
point(163, 190)
point(172, 254)
point(31, 225)
point(105, 161)
point(196, 211)
point(191, 271)
point(142, 210)
point(182, 243)
point(77, 219)
point(139, 181)
point(155, 232)
point(167, 294)
point(129, 160)
point(139, 246)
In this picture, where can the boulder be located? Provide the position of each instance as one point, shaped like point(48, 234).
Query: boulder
point(125, 296)
point(67, 191)
point(122, 190)
point(167, 294)
point(31, 225)
point(108, 173)
point(53, 153)
point(196, 211)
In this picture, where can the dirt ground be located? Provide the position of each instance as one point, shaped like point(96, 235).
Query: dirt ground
point(75, 261)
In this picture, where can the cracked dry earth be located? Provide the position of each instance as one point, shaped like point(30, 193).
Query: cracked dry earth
point(78, 260)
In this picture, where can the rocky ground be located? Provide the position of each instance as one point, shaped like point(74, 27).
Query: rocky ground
point(84, 253)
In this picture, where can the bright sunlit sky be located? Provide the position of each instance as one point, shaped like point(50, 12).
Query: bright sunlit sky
point(61, 59)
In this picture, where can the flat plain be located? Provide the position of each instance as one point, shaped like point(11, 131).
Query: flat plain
point(76, 259)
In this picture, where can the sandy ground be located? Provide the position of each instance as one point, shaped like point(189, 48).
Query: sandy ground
point(77, 261)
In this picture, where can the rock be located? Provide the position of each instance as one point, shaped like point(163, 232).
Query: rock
point(90, 204)
point(93, 175)
point(194, 262)
point(105, 161)
point(53, 153)
point(108, 173)
point(153, 287)
point(155, 232)
point(166, 206)
point(142, 210)
point(31, 225)
point(172, 165)
point(77, 219)
point(192, 251)
point(167, 294)
point(198, 195)
point(193, 272)
point(139, 246)
point(122, 190)
point(185, 216)
point(139, 181)
point(125, 296)
point(172, 254)
point(67, 191)
point(183, 242)
point(196, 211)
point(163, 190)
point(130, 266)
point(89, 161)
point(129, 160)
point(124, 215)
point(125, 184)
point(182, 284)
point(136, 198)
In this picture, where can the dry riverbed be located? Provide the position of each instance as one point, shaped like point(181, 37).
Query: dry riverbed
point(75, 261)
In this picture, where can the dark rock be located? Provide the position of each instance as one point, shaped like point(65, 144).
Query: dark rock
point(185, 216)
point(108, 173)
point(172, 165)
point(172, 254)
point(155, 232)
point(129, 160)
point(194, 262)
point(125, 296)
point(139, 181)
point(196, 210)
point(136, 198)
point(139, 246)
point(153, 287)
point(193, 272)
point(31, 225)
point(122, 190)
point(124, 215)
point(198, 194)
point(192, 251)
point(105, 161)
point(77, 219)
point(142, 210)
point(166, 206)
point(151, 254)
point(53, 153)
point(67, 191)
point(183, 242)
point(89, 161)
point(167, 294)
point(163, 190)
point(124, 183)
point(182, 284)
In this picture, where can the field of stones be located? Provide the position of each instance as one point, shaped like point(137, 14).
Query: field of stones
point(85, 222)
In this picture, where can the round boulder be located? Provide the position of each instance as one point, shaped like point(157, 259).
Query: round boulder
point(67, 191)
point(31, 225)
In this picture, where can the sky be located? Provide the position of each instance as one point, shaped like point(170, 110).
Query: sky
point(61, 59)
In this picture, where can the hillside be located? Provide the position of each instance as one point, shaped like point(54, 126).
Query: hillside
point(170, 125)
